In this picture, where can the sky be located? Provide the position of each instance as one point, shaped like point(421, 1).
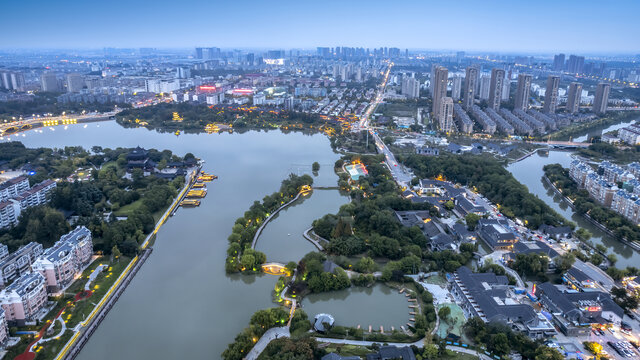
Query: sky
point(540, 26)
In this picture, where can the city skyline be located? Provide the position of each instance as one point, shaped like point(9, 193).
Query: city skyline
point(495, 26)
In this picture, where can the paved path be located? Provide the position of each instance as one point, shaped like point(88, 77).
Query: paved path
point(311, 236)
point(265, 339)
point(419, 344)
point(266, 221)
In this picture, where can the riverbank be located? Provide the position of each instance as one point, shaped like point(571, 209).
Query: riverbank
point(80, 338)
point(600, 226)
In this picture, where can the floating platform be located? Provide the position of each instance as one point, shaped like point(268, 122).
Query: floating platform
point(199, 185)
point(190, 203)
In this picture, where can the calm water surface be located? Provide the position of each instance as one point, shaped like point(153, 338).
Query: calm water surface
point(182, 304)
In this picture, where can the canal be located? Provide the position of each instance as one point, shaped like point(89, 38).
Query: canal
point(529, 172)
point(182, 304)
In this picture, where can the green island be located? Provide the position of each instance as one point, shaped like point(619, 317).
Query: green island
point(196, 117)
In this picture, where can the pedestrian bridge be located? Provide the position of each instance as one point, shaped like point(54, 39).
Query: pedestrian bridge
point(274, 268)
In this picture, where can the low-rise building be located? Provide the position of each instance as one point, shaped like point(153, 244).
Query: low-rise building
point(489, 297)
point(13, 187)
point(574, 312)
point(24, 298)
point(65, 259)
point(4, 328)
point(19, 262)
point(496, 235)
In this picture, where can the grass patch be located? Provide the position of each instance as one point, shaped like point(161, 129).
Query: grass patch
point(50, 349)
point(80, 310)
point(129, 209)
point(349, 350)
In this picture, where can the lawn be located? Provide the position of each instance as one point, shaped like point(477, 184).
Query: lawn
point(348, 350)
point(454, 322)
point(80, 310)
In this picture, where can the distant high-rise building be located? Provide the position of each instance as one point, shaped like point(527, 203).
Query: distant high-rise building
point(411, 87)
point(522, 92)
point(573, 97)
point(470, 83)
point(49, 82)
point(75, 83)
point(199, 53)
point(485, 84)
point(551, 94)
point(213, 53)
point(456, 87)
point(558, 62)
point(495, 89)
point(601, 99)
point(324, 52)
point(275, 54)
point(12, 80)
point(460, 55)
point(506, 88)
point(575, 65)
point(439, 85)
point(183, 72)
point(445, 115)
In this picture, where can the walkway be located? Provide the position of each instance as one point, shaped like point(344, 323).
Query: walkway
point(314, 238)
point(419, 344)
point(266, 221)
point(265, 339)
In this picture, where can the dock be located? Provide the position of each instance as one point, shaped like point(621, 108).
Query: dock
point(197, 193)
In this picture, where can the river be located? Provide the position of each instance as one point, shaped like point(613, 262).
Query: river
point(182, 304)
point(529, 172)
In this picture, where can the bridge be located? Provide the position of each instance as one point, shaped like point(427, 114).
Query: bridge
point(562, 144)
point(274, 268)
point(29, 123)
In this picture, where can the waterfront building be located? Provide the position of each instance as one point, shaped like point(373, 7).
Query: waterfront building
point(13, 187)
point(496, 87)
point(65, 259)
point(24, 298)
point(522, 92)
point(19, 262)
point(551, 94)
point(630, 134)
point(573, 98)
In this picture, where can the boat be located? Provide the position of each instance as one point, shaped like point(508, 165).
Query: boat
point(190, 203)
point(198, 185)
point(200, 193)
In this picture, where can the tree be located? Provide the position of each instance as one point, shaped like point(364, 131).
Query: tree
point(315, 167)
point(472, 220)
point(564, 262)
point(499, 343)
point(365, 265)
point(449, 205)
point(115, 252)
point(444, 312)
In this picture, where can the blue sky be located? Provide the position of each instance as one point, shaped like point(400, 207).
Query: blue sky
point(506, 26)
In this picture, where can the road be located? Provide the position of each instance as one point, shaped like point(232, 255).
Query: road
point(401, 175)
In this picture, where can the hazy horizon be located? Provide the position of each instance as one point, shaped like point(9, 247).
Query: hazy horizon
point(499, 26)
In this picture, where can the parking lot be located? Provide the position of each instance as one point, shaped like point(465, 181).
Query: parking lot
point(609, 339)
